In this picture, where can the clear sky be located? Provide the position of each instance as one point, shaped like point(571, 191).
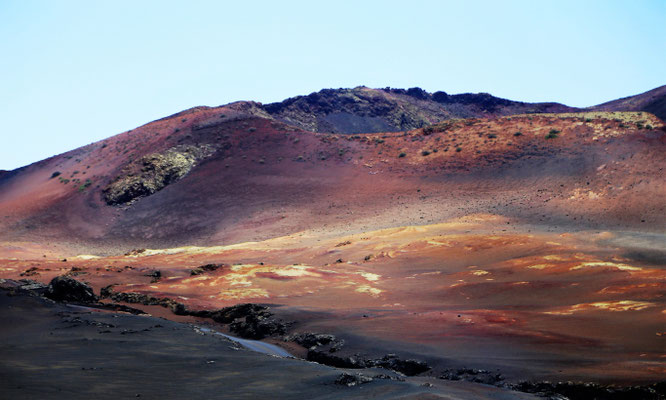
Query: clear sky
point(74, 72)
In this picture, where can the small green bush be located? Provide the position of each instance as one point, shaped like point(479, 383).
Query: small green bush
point(458, 149)
point(552, 134)
point(425, 153)
point(402, 154)
point(518, 134)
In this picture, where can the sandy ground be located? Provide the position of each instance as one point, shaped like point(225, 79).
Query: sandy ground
point(52, 351)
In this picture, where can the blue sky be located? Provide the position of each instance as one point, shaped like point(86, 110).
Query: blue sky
point(74, 72)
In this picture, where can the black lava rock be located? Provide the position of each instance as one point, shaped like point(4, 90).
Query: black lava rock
point(63, 288)
point(352, 379)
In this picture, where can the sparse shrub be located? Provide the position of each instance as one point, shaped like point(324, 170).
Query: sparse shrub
point(55, 174)
point(518, 134)
point(492, 136)
point(649, 127)
point(425, 153)
point(251, 129)
point(458, 149)
point(300, 159)
point(262, 161)
point(85, 185)
point(588, 120)
point(402, 154)
point(639, 125)
point(552, 134)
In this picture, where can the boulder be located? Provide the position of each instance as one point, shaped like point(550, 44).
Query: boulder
point(64, 288)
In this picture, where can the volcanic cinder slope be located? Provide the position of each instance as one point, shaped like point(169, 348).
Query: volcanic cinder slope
point(530, 242)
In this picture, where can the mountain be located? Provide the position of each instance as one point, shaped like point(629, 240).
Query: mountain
point(365, 110)
point(464, 247)
point(227, 174)
point(652, 101)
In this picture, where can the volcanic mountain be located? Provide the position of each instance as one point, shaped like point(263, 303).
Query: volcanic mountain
point(239, 172)
point(472, 232)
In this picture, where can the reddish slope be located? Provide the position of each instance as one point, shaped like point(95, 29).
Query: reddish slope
point(261, 179)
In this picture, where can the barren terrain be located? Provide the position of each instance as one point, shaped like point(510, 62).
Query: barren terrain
point(527, 245)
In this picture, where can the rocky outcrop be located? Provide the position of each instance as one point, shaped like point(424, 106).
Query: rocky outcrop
point(64, 288)
point(473, 375)
point(311, 340)
point(349, 380)
point(364, 110)
point(251, 321)
point(206, 268)
point(585, 391)
point(153, 172)
point(407, 367)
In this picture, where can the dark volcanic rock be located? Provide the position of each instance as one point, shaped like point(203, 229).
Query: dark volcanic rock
point(407, 367)
point(363, 110)
point(473, 375)
point(138, 298)
point(152, 173)
point(350, 380)
point(252, 321)
point(205, 268)
point(326, 358)
point(588, 391)
point(309, 339)
point(230, 314)
point(63, 288)
point(258, 326)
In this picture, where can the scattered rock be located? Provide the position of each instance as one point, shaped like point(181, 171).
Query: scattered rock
point(473, 375)
point(350, 380)
point(326, 358)
point(63, 288)
point(252, 321)
point(310, 340)
point(584, 391)
point(156, 275)
point(32, 271)
point(205, 268)
point(407, 367)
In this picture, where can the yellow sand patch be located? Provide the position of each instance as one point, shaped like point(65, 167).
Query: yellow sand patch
point(621, 267)
point(540, 266)
point(86, 257)
point(198, 278)
point(295, 271)
point(369, 276)
point(372, 291)
point(616, 306)
point(242, 293)
point(479, 272)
